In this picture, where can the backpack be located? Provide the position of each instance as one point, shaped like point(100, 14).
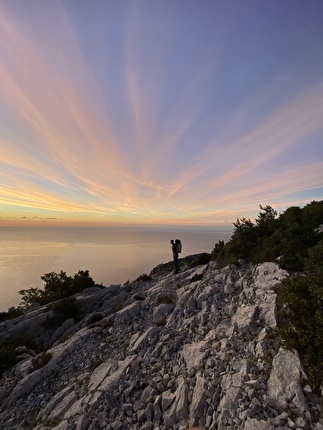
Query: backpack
point(179, 245)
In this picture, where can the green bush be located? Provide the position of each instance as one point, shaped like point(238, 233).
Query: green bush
point(288, 237)
point(12, 313)
point(8, 354)
point(291, 238)
point(144, 277)
point(201, 259)
point(57, 286)
point(300, 321)
point(300, 314)
point(63, 310)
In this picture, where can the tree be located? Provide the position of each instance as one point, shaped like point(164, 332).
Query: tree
point(288, 237)
point(266, 220)
point(57, 286)
point(32, 295)
point(295, 238)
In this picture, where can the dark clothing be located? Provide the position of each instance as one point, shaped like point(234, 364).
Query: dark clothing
point(174, 249)
point(175, 257)
point(176, 262)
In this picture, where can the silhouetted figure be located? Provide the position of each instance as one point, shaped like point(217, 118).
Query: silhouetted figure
point(175, 255)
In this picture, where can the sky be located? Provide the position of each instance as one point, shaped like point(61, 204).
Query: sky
point(190, 112)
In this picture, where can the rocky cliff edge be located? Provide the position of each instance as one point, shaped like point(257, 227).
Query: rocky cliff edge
point(198, 348)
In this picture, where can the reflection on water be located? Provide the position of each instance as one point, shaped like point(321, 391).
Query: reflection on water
point(112, 255)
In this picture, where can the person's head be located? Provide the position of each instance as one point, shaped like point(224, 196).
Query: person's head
point(172, 241)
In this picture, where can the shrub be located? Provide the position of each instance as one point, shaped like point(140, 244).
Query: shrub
point(41, 360)
point(144, 277)
point(57, 286)
point(63, 310)
point(165, 299)
point(139, 297)
point(218, 250)
point(201, 259)
point(292, 236)
point(8, 354)
point(12, 313)
point(300, 321)
point(300, 315)
point(197, 277)
point(161, 323)
point(289, 235)
point(95, 318)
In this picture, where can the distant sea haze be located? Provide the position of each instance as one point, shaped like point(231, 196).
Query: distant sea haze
point(112, 255)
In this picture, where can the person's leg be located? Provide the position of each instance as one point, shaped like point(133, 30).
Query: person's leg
point(176, 264)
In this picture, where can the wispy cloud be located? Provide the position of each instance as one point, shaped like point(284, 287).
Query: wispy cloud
point(65, 149)
point(244, 161)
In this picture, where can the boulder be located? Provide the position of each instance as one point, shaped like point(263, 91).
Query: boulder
point(284, 384)
point(194, 350)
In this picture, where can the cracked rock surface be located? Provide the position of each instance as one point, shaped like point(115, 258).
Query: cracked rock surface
point(177, 352)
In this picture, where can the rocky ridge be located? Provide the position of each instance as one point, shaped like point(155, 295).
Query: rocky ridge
point(198, 348)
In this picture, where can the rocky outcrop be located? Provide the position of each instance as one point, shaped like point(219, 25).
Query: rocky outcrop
point(194, 349)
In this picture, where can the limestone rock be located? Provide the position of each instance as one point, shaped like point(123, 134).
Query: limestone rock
point(193, 349)
point(284, 384)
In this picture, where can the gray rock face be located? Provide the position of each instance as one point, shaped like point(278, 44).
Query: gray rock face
point(166, 354)
point(284, 384)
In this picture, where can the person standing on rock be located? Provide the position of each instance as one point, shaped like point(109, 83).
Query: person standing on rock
point(175, 256)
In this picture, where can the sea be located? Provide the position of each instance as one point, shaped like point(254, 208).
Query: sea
point(112, 255)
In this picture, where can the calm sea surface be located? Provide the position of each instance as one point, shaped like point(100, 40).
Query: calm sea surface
point(112, 255)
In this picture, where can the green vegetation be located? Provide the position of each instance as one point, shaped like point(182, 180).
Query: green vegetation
point(63, 310)
point(144, 277)
point(57, 286)
point(8, 353)
point(200, 259)
point(293, 240)
point(300, 314)
point(285, 238)
point(12, 313)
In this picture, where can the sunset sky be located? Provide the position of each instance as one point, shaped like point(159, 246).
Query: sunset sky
point(158, 111)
